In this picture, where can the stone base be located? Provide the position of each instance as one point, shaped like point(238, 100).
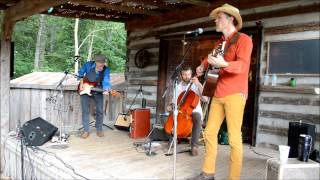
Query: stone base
point(293, 169)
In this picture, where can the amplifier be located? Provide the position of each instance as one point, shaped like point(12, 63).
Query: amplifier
point(123, 122)
point(140, 123)
point(295, 129)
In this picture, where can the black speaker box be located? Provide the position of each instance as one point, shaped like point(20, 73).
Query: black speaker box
point(37, 131)
point(158, 134)
point(295, 129)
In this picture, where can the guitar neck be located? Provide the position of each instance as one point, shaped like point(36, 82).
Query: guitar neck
point(96, 89)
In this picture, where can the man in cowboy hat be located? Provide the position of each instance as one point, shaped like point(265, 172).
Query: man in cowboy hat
point(231, 92)
point(97, 73)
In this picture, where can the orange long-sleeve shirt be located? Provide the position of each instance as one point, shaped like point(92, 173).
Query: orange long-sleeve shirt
point(234, 78)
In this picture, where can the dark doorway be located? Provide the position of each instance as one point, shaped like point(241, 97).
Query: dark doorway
point(172, 49)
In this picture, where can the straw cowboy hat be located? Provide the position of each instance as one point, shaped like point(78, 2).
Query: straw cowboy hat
point(227, 8)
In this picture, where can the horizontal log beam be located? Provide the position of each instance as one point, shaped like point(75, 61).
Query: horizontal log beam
point(288, 89)
point(315, 26)
point(143, 82)
point(196, 2)
point(149, 102)
point(194, 12)
point(291, 101)
point(26, 8)
point(309, 118)
point(279, 131)
point(126, 9)
point(249, 17)
point(139, 74)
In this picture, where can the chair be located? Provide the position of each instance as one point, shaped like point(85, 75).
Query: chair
point(205, 111)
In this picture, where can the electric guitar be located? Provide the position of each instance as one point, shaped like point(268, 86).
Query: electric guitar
point(212, 73)
point(88, 87)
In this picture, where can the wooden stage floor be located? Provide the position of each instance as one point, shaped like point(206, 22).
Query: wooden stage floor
point(115, 156)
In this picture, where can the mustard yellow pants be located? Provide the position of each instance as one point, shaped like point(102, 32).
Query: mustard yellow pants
point(230, 107)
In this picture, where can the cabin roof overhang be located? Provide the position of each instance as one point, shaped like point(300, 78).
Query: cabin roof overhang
point(134, 13)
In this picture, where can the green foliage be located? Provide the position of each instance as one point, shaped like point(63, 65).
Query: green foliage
point(109, 39)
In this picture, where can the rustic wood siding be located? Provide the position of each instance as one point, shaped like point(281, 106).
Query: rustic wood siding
point(26, 104)
point(286, 21)
point(277, 109)
point(279, 106)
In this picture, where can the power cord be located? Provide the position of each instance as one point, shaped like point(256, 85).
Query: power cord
point(64, 163)
point(260, 154)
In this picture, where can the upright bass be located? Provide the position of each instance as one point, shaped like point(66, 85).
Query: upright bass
point(187, 101)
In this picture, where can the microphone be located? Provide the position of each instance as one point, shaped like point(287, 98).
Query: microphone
point(164, 93)
point(195, 32)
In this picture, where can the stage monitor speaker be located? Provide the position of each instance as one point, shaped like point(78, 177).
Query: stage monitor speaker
point(123, 122)
point(295, 129)
point(158, 134)
point(140, 125)
point(37, 131)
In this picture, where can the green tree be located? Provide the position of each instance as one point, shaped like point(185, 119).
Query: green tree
point(109, 39)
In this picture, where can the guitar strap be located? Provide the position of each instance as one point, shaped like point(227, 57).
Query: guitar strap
point(101, 76)
point(232, 41)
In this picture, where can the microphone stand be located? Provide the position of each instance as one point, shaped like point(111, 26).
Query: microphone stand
point(61, 144)
point(174, 80)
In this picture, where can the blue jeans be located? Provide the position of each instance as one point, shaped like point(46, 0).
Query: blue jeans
point(85, 106)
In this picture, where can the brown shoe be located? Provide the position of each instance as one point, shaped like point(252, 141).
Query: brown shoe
point(85, 135)
point(194, 151)
point(203, 176)
point(100, 133)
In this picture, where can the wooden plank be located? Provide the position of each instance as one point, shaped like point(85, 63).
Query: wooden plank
point(4, 84)
point(283, 12)
point(148, 45)
point(196, 2)
point(288, 89)
point(313, 26)
point(248, 17)
point(162, 76)
point(144, 92)
point(292, 101)
point(138, 74)
point(121, 160)
point(279, 131)
point(195, 12)
point(25, 8)
point(115, 7)
point(309, 118)
point(43, 102)
point(150, 102)
point(143, 82)
point(14, 109)
point(35, 104)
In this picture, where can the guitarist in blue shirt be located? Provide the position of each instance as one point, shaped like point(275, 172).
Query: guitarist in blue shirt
point(97, 74)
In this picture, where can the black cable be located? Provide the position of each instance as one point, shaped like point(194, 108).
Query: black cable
point(259, 153)
point(22, 155)
point(64, 163)
point(33, 175)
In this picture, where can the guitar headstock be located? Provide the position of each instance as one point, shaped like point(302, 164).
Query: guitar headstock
point(219, 49)
point(114, 93)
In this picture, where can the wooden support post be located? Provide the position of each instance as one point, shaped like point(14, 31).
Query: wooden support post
point(5, 48)
point(5, 76)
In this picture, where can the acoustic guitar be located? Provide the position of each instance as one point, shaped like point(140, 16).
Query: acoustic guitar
point(212, 73)
point(88, 87)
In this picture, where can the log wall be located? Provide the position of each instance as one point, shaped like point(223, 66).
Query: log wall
point(286, 21)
